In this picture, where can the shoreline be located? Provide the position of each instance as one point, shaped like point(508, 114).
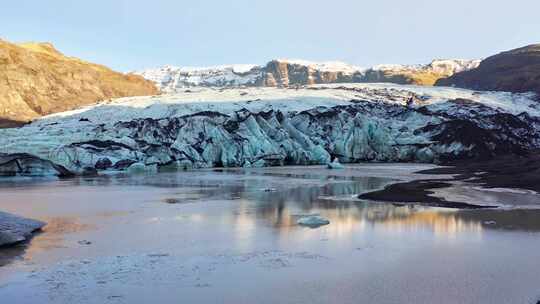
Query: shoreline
point(506, 172)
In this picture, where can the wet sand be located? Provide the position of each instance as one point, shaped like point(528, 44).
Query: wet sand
point(418, 192)
point(512, 174)
point(230, 236)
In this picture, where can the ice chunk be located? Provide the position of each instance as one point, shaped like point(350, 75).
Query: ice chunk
point(140, 168)
point(312, 221)
point(335, 165)
point(14, 229)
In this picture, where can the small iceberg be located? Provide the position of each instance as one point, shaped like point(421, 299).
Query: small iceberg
point(140, 168)
point(15, 229)
point(312, 221)
point(335, 165)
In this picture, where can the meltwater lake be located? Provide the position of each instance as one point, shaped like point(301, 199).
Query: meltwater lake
point(231, 236)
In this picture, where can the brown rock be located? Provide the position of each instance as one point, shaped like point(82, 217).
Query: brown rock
point(36, 79)
point(513, 71)
point(284, 74)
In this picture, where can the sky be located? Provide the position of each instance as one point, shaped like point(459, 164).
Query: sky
point(130, 35)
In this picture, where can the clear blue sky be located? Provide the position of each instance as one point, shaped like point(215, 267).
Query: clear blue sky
point(134, 34)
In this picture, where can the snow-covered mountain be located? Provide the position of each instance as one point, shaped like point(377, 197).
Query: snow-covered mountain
point(169, 78)
point(207, 127)
point(285, 73)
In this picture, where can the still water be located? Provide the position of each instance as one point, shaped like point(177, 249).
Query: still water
point(230, 236)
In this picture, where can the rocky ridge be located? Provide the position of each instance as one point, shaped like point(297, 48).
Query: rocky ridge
point(291, 73)
point(36, 79)
point(517, 70)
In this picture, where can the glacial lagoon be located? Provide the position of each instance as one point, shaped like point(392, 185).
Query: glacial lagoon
point(231, 236)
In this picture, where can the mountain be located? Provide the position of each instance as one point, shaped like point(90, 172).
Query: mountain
point(513, 71)
point(255, 127)
point(36, 79)
point(286, 73)
point(418, 74)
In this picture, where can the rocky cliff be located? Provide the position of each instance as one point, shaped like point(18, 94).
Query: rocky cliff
point(513, 71)
point(287, 73)
point(418, 74)
point(36, 79)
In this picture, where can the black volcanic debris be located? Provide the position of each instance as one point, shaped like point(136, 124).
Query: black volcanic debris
point(22, 164)
point(376, 126)
point(102, 144)
point(103, 164)
point(417, 192)
point(123, 164)
point(484, 133)
point(461, 129)
point(502, 171)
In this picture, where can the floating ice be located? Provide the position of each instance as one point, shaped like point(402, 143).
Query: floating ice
point(15, 229)
point(335, 165)
point(312, 221)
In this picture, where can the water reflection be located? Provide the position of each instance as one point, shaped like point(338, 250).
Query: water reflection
point(9, 254)
point(242, 203)
point(334, 197)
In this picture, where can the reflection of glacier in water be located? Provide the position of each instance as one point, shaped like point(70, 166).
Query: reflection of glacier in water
point(196, 236)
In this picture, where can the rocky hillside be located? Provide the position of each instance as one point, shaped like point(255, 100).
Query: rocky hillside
point(286, 73)
point(513, 71)
point(36, 79)
point(418, 74)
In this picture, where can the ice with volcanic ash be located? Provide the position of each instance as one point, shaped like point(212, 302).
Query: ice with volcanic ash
point(255, 127)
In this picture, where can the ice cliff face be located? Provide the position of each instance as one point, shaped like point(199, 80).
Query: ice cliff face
point(254, 127)
point(286, 73)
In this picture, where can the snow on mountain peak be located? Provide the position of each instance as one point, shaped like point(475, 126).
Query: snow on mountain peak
point(287, 72)
point(325, 66)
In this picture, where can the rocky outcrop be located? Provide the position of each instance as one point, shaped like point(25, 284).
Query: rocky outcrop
point(513, 71)
point(36, 79)
point(283, 73)
point(15, 229)
point(418, 74)
point(292, 73)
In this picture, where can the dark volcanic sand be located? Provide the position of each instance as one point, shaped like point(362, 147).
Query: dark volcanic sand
point(510, 171)
point(417, 192)
point(502, 172)
point(8, 123)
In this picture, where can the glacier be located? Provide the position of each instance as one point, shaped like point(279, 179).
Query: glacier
point(256, 127)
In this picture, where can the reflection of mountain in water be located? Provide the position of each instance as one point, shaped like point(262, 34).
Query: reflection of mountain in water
point(333, 201)
point(325, 192)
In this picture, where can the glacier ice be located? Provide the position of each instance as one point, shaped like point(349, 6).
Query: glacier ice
point(256, 127)
point(335, 165)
